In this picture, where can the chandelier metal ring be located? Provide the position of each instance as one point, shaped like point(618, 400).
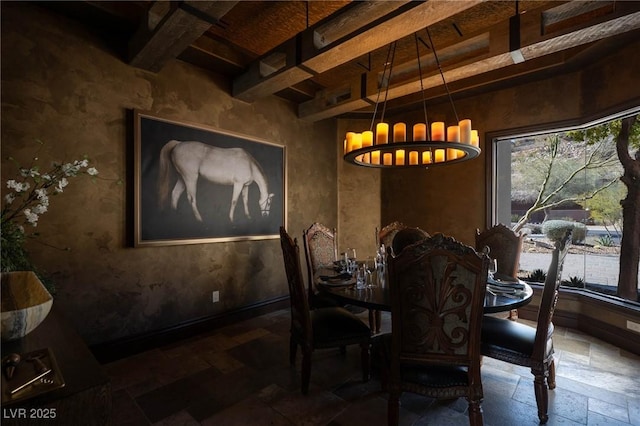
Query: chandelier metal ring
point(418, 153)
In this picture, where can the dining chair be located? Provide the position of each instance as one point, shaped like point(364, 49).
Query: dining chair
point(384, 236)
point(407, 236)
point(437, 291)
point(388, 232)
point(320, 251)
point(505, 245)
point(397, 236)
point(321, 328)
point(532, 347)
point(402, 237)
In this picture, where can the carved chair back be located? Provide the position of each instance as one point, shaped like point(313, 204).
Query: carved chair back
point(544, 331)
point(407, 236)
point(504, 245)
point(388, 233)
point(300, 316)
point(320, 250)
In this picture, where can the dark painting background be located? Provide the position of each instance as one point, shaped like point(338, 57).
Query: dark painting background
point(213, 200)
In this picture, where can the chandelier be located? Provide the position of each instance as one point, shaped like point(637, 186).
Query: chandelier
point(423, 145)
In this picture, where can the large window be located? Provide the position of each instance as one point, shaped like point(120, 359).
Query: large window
point(570, 175)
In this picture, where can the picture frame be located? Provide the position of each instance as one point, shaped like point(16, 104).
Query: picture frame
point(236, 184)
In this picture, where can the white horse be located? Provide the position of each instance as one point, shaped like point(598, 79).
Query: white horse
point(225, 166)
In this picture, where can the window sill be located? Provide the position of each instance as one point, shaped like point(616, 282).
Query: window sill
point(599, 315)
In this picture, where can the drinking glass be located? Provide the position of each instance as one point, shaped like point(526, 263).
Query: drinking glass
point(370, 266)
point(352, 254)
point(493, 267)
point(350, 260)
point(361, 277)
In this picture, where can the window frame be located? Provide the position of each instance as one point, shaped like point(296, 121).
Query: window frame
point(493, 137)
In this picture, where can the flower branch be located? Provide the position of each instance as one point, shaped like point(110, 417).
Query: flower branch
point(27, 198)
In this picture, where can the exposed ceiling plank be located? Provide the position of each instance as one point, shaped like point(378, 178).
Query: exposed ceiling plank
point(276, 71)
point(170, 28)
point(389, 30)
point(220, 51)
point(362, 39)
point(358, 16)
point(324, 106)
point(327, 56)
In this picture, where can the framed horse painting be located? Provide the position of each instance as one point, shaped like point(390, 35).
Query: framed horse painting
point(194, 184)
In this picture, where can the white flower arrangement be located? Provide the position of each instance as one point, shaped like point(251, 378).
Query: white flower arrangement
point(28, 198)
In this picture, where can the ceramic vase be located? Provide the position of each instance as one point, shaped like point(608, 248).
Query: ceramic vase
point(25, 304)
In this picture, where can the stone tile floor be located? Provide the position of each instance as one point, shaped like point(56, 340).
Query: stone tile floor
point(240, 375)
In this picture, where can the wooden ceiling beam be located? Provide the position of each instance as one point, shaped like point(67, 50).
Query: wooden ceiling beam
point(341, 39)
point(537, 45)
point(220, 51)
point(170, 27)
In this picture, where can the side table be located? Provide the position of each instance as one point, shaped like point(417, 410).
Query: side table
point(86, 397)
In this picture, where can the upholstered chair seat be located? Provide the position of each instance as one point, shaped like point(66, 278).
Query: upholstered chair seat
point(336, 327)
point(421, 379)
point(513, 336)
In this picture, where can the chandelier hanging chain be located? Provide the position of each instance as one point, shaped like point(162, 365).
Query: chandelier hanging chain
point(424, 99)
point(386, 82)
point(446, 86)
point(381, 85)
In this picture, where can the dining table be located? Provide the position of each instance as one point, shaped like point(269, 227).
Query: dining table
point(503, 293)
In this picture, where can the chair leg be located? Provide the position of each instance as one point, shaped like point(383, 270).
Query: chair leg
point(366, 360)
point(372, 321)
point(306, 370)
point(384, 378)
point(475, 413)
point(378, 321)
point(293, 348)
point(551, 379)
point(542, 396)
point(393, 409)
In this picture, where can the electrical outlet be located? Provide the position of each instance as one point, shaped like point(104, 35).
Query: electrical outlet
point(633, 326)
point(215, 296)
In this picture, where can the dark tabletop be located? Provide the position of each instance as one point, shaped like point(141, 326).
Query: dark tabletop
point(77, 366)
point(378, 297)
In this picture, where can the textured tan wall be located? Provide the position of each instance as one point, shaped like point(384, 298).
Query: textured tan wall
point(63, 86)
point(358, 199)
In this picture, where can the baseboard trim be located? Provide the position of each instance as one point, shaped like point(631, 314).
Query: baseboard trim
point(582, 310)
point(121, 348)
point(623, 339)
